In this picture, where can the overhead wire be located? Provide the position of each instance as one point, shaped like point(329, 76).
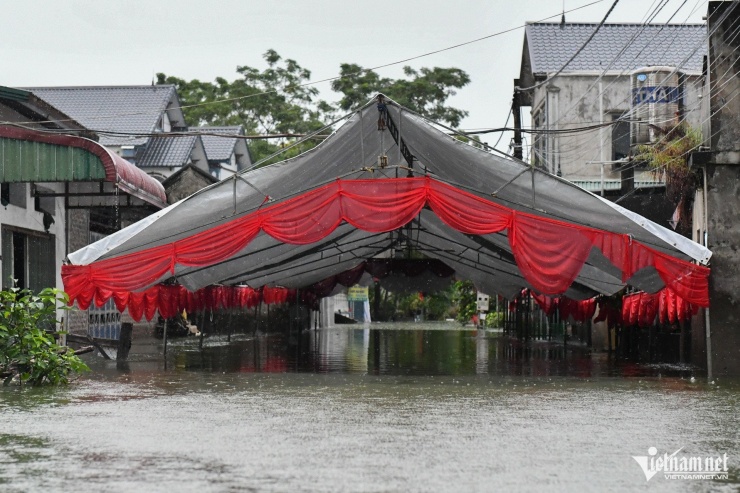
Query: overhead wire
point(578, 52)
point(563, 114)
point(329, 79)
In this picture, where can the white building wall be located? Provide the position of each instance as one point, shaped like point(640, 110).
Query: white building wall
point(29, 219)
point(575, 101)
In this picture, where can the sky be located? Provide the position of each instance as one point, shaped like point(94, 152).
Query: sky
point(93, 42)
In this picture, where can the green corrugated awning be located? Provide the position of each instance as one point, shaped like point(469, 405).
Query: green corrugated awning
point(42, 157)
point(28, 161)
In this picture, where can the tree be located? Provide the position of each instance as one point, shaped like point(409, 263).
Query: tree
point(670, 156)
point(425, 91)
point(280, 99)
point(28, 352)
point(274, 100)
point(465, 296)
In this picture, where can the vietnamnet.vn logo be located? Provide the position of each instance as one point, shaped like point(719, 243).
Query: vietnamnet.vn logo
point(674, 466)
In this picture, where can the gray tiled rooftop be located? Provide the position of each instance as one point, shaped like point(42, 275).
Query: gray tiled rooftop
point(130, 109)
point(218, 148)
point(676, 45)
point(167, 151)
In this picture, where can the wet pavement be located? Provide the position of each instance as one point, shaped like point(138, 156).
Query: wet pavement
point(402, 407)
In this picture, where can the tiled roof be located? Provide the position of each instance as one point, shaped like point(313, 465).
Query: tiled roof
point(167, 151)
point(218, 148)
point(130, 109)
point(675, 45)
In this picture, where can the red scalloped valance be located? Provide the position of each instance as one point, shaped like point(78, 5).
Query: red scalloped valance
point(550, 253)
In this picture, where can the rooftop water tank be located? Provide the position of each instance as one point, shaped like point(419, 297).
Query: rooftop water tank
point(656, 99)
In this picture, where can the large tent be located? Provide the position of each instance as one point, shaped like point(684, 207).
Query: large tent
point(384, 181)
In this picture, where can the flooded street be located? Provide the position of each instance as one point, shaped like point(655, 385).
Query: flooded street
point(416, 407)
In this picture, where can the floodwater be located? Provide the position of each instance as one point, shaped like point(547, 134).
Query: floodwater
point(415, 407)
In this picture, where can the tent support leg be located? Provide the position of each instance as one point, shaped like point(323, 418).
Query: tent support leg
point(709, 344)
point(228, 328)
point(164, 339)
point(200, 343)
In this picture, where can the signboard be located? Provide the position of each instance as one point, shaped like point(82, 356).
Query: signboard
point(357, 293)
point(655, 94)
point(482, 302)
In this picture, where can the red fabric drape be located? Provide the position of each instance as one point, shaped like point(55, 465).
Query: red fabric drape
point(171, 300)
point(642, 308)
point(550, 253)
point(580, 310)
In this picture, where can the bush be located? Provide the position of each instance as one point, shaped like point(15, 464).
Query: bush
point(29, 353)
point(495, 320)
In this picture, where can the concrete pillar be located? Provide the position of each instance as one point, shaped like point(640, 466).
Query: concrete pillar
point(723, 187)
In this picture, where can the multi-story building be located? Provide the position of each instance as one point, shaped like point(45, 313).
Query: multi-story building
point(583, 95)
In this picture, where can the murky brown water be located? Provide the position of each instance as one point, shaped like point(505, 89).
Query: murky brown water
point(424, 408)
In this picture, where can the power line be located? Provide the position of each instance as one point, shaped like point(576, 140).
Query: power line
point(329, 79)
point(578, 52)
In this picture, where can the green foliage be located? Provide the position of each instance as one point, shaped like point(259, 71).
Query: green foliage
point(465, 296)
point(271, 101)
point(425, 91)
point(671, 154)
point(277, 100)
point(495, 320)
point(29, 353)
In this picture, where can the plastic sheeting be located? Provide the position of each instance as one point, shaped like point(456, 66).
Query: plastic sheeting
point(494, 220)
point(549, 253)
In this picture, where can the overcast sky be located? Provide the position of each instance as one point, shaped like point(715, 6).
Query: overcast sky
point(57, 43)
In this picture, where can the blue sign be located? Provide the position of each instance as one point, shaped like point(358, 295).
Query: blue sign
point(655, 94)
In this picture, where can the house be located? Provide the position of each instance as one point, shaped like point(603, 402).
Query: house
point(600, 89)
point(133, 122)
point(166, 155)
point(226, 149)
point(60, 188)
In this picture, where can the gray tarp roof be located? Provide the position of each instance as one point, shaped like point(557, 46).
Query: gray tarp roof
point(349, 153)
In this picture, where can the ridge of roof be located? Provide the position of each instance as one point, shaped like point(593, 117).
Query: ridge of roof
point(119, 86)
point(610, 24)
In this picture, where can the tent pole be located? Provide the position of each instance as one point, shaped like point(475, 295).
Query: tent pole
point(709, 344)
point(362, 142)
point(164, 339)
point(534, 201)
point(200, 343)
point(228, 329)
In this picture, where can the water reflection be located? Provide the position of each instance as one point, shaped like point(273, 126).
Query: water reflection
point(405, 349)
point(378, 408)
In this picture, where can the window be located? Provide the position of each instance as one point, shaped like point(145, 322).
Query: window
point(215, 170)
point(44, 203)
point(28, 257)
point(13, 194)
point(620, 138)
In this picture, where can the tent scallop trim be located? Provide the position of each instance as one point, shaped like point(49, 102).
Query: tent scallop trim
point(549, 253)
